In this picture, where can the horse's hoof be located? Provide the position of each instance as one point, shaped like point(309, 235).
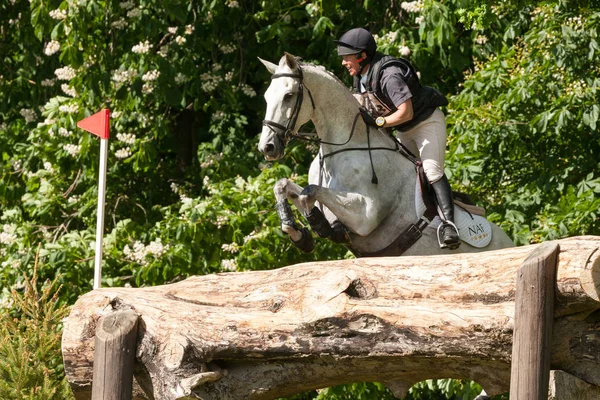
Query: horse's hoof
point(306, 243)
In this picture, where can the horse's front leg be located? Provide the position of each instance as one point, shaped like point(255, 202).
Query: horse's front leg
point(356, 212)
point(287, 190)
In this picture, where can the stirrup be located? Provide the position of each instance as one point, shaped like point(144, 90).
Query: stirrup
point(443, 245)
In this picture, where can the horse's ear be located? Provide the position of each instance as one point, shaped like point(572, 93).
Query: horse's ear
point(291, 62)
point(270, 66)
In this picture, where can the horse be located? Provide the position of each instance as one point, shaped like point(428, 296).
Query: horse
point(363, 186)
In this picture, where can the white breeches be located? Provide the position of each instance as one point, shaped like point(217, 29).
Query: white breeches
point(428, 140)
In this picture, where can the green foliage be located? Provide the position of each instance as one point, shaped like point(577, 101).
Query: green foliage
point(30, 333)
point(523, 129)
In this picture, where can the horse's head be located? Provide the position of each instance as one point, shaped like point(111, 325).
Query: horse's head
point(286, 110)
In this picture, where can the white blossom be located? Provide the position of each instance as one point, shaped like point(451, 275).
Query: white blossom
point(73, 199)
point(8, 236)
point(230, 248)
point(189, 29)
point(419, 19)
point(124, 76)
point(68, 108)
point(481, 39)
point(221, 221)
point(227, 48)
point(47, 121)
point(128, 138)
point(172, 30)
point(233, 4)
point(180, 40)
point(229, 265)
point(135, 13)
point(58, 14)
point(247, 90)
point(180, 78)
point(229, 76)
point(68, 90)
point(151, 75)
point(64, 132)
point(405, 51)
point(48, 82)
point(142, 47)
point(147, 88)
point(412, 6)
point(210, 81)
point(48, 167)
point(72, 149)
point(65, 73)
point(127, 5)
point(140, 252)
point(123, 153)
point(51, 48)
point(119, 24)
point(28, 114)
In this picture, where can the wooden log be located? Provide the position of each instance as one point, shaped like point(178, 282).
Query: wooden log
point(530, 366)
point(268, 334)
point(564, 386)
point(114, 356)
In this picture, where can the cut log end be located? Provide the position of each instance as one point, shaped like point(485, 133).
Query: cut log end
point(590, 275)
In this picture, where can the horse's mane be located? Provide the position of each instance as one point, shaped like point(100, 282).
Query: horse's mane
point(320, 68)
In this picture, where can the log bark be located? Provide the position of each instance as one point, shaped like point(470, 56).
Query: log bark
point(269, 334)
point(564, 386)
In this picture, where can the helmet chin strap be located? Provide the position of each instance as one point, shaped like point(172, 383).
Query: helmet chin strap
point(363, 62)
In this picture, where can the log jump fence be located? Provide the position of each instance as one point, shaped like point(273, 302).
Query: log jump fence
point(524, 319)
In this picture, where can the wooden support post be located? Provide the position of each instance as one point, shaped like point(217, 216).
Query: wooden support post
point(534, 311)
point(114, 356)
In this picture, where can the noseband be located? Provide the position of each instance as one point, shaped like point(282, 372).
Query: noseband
point(285, 133)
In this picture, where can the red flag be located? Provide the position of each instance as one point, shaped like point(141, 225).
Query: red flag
point(98, 124)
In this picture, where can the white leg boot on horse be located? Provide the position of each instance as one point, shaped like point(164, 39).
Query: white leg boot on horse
point(447, 232)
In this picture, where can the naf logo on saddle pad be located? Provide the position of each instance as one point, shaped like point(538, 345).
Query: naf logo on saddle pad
point(473, 229)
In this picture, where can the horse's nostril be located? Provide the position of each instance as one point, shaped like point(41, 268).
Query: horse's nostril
point(269, 148)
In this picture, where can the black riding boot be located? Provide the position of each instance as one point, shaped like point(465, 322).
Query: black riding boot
point(449, 235)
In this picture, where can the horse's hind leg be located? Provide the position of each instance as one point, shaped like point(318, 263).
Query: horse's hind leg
point(285, 189)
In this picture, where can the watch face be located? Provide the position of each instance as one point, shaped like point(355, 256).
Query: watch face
point(380, 121)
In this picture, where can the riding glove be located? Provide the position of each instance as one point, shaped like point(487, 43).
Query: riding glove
point(367, 117)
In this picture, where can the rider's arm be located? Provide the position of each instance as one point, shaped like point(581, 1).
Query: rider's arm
point(403, 114)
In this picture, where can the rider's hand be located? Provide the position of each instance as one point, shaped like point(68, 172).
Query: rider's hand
point(367, 117)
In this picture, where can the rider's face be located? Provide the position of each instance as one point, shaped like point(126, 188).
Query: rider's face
point(352, 62)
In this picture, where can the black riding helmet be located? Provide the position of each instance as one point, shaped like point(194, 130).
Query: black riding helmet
point(356, 41)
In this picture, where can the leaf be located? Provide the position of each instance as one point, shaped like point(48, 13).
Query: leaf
point(322, 24)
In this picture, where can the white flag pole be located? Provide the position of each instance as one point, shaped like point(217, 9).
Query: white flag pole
point(100, 216)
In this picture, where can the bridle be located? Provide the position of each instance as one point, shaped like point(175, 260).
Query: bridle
point(286, 133)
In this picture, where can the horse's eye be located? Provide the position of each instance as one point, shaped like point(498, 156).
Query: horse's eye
point(287, 96)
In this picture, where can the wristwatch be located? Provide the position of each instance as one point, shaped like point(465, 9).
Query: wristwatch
point(380, 121)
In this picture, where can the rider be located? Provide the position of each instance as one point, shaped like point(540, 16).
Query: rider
point(392, 97)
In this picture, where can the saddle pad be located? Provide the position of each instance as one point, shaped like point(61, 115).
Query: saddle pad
point(472, 229)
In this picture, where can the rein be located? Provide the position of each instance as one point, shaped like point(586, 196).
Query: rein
point(287, 133)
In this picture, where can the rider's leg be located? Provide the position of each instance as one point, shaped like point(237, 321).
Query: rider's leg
point(443, 194)
point(430, 138)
